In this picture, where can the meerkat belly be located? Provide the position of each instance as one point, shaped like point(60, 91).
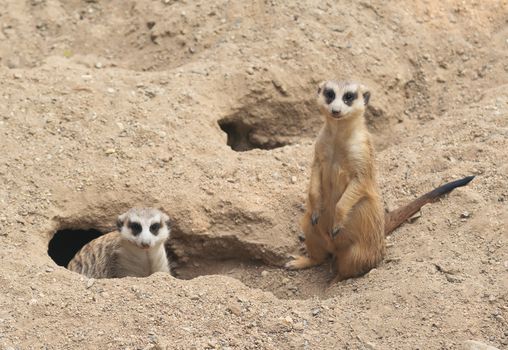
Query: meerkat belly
point(133, 264)
point(141, 263)
point(335, 180)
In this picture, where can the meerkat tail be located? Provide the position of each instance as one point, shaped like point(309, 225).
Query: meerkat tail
point(396, 217)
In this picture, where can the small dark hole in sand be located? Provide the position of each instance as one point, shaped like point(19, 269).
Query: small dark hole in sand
point(242, 137)
point(67, 242)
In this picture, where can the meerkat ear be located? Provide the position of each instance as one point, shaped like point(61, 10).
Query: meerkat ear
point(165, 219)
point(120, 221)
point(366, 97)
point(321, 87)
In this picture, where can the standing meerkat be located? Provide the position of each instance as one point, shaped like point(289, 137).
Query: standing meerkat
point(344, 217)
point(136, 249)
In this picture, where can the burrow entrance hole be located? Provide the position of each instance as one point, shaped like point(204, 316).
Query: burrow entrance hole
point(268, 125)
point(217, 256)
point(67, 242)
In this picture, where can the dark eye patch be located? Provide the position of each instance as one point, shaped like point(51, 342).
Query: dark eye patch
point(154, 228)
point(329, 95)
point(135, 228)
point(349, 97)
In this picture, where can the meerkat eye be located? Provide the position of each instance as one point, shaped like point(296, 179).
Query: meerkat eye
point(135, 228)
point(329, 95)
point(154, 228)
point(349, 97)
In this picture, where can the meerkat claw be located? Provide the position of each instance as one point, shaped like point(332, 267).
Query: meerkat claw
point(335, 231)
point(314, 219)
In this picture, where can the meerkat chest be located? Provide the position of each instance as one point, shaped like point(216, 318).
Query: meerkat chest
point(136, 262)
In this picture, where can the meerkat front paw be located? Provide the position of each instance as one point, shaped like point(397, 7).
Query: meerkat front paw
point(300, 262)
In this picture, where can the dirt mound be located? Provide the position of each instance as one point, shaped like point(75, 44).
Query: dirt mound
point(206, 109)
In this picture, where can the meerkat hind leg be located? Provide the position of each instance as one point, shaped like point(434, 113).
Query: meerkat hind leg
point(315, 249)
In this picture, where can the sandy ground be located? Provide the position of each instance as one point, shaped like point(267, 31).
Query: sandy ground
point(110, 104)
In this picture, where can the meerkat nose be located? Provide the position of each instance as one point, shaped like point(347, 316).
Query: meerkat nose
point(335, 112)
point(145, 245)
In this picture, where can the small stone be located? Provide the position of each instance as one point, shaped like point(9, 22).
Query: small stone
point(280, 87)
point(49, 269)
point(299, 326)
point(235, 310)
point(453, 279)
point(440, 79)
point(415, 216)
point(465, 215)
point(476, 345)
point(264, 273)
point(293, 179)
point(316, 311)
point(98, 65)
point(111, 90)
point(110, 151)
point(90, 283)
point(370, 346)
point(288, 320)
point(32, 302)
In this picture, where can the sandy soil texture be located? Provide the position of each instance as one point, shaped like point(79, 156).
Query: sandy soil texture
point(206, 109)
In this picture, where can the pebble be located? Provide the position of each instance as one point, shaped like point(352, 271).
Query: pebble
point(49, 269)
point(370, 346)
point(293, 179)
point(98, 65)
point(264, 273)
point(440, 79)
point(288, 320)
point(316, 311)
point(235, 310)
point(453, 279)
point(90, 283)
point(110, 151)
point(476, 345)
point(465, 215)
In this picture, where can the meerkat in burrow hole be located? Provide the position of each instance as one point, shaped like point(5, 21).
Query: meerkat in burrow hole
point(136, 249)
point(344, 217)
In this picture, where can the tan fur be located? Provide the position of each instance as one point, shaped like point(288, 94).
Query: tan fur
point(122, 254)
point(343, 196)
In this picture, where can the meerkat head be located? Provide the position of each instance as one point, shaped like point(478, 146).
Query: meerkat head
point(342, 100)
point(144, 227)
